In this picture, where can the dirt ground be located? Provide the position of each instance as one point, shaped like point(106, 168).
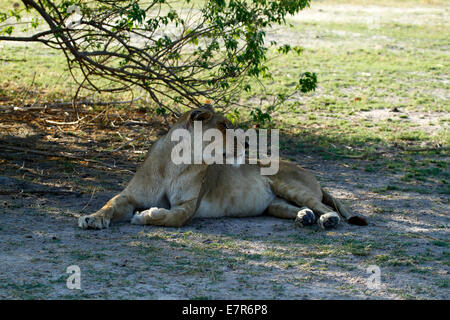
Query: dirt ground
point(52, 171)
point(46, 185)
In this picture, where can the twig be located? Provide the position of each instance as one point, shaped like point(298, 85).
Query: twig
point(90, 199)
point(8, 192)
point(64, 123)
point(22, 167)
point(61, 155)
point(40, 106)
point(128, 142)
point(135, 122)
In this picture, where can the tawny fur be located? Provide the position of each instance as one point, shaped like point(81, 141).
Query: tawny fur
point(170, 195)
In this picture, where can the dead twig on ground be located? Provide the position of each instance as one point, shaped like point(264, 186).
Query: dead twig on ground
point(128, 142)
point(90, 199)
point(54, 192)
point(64, 123)
point(61, 155)
point(45, 105)
point(135, 122)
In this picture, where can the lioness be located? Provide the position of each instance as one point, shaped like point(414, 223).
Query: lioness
point(164, 194)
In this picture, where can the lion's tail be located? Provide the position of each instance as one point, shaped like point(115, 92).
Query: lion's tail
point(345, 212)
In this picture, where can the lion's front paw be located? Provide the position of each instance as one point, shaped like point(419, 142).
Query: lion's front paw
point(329, 220)
point(93, 222)
point(153, 216)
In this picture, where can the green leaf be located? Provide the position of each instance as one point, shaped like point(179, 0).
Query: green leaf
point(307, 82)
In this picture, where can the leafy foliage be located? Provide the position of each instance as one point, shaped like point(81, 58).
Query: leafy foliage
point(180, 52)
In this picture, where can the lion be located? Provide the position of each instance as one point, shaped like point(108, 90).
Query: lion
point(162, 193)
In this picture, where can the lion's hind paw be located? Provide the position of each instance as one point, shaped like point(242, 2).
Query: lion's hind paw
point(329, 220)
point(305, 217)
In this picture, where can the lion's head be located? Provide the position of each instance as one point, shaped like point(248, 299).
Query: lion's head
point(210, 136)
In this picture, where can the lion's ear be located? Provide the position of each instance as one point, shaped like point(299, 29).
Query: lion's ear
point(201, 115)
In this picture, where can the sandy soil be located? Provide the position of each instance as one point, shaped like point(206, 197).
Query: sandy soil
point(256, 258)
point(259, 257)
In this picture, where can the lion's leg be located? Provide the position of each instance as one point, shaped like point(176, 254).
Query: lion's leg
point(183, 203)
point(301, 196)
point(328, 218)
point(280, 208)
point(177, 216)
point(300, 187)
point(118, 208)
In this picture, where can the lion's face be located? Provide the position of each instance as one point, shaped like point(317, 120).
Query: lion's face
point(213, 136)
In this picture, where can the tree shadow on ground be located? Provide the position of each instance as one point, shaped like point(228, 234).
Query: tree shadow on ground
point(247, 258)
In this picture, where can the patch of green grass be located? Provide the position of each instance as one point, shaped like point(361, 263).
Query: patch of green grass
point(360, 250)
point(26, 290)
point(386, 188)
point(80, 255)
point(442, 283)
point(393, 3)
point(362, 69)
point(199, 298)
point(439, 243)
point(365, 75)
